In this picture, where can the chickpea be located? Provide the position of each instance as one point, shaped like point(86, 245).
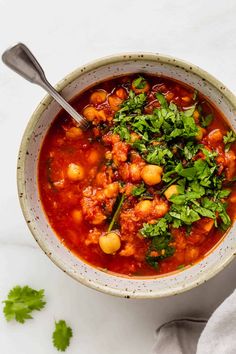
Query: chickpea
point(215, 136)
point(160, 209)
point(172, 190)
point(90, 113)
point(110, 243)
point(74, 133)
point(98, 97)
point(77, 216)
point(137, 88)
point(169, 96)
point(134, 170)
point(114, 102)
point(151, 174)
point(121, 93)
point(208, 225)
point(196, 116)
point(75, 172)
point(144, 208)
point(201, 132)
point(134, 137)
point(93, 157)
point(186, 99)
point(102, 115)
point(111, 190)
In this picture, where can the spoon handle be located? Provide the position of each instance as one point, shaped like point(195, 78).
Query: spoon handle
point(20, 59)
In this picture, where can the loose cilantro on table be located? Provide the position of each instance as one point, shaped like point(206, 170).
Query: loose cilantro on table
point(61, 336)
point(21, 301)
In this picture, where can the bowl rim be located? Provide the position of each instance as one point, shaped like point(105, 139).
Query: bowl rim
point(42, 106)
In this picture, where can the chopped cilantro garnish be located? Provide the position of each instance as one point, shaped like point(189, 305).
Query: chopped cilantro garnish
point(228, 139)
point(167, 138)
point(205, 122)
point(161, 98)
point(157, 229)
point(139, 83)
point(160, 246)
point(139, 190)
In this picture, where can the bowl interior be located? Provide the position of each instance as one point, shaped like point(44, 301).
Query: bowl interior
point(35, 132)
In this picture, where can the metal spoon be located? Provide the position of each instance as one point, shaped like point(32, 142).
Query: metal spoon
point(20, 59)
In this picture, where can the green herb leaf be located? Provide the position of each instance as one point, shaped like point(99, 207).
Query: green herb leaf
point(158, 155)
point(21, 301)
point(228, 139)
point(139, 190)
point(161, 98)
point(195, 95)
point(158, 229)
point(61, 336)
point(139, 83)
point(120, 201)
point(205, 122)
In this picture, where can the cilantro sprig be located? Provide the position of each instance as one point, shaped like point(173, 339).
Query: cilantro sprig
point(160, 246)
point(21, 301)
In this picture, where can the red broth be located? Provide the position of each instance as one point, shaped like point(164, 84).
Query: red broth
point(82, 175)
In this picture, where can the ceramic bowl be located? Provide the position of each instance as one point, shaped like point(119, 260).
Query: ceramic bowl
point(71, 86)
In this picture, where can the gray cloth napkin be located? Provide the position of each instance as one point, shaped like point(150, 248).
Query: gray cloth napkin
point(219, 335)
point(179, 336)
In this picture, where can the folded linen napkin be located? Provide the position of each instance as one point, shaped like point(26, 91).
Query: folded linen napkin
point(179, 336)
point(219, 335)
point(195, 336)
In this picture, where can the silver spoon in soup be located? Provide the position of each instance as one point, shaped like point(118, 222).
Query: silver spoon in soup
point(20, 59)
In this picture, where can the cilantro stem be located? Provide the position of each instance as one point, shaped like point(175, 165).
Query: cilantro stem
point(115, 216)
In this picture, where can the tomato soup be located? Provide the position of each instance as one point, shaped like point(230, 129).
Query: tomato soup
point(149, 188)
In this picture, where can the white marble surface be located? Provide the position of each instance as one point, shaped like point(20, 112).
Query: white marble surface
point(65, 35)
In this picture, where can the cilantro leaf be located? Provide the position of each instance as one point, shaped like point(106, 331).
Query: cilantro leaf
point(139, 190)
point(61, 335)
point(21, 301)
point(218, 206)
point(184, 214)
point(161, 98)
point(205, 122)
point(195, 95)
point(139, 83)
point(190, 150)
point(182, 199)
point(228, 139)
point(160, 248)
point(133, 103)
point(158, 155)
point(160, 228)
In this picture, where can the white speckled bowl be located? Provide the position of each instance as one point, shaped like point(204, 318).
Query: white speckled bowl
point(39, 123)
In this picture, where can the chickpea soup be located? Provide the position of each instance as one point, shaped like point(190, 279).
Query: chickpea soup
point(149, 188)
